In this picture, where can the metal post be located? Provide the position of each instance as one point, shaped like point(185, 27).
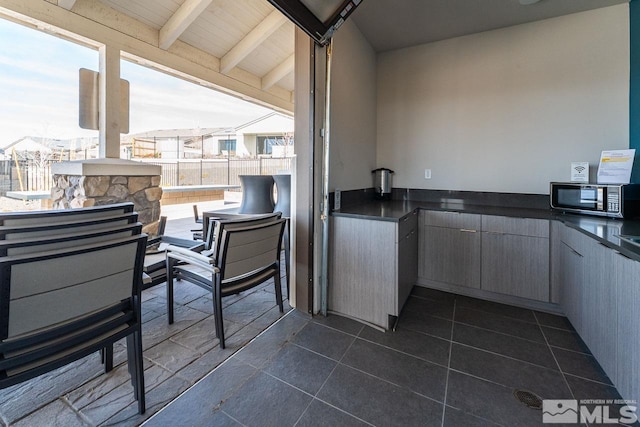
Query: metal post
point(324, 216)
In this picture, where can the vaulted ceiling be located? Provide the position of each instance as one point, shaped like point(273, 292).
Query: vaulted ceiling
point(248, 34)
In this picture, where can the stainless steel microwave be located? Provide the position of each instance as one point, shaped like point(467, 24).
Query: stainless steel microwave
point(611, 200)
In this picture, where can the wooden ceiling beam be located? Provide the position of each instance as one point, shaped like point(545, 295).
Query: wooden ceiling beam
point(180, 21)
point(67, 4)
point(278, 73)
point(251, 41)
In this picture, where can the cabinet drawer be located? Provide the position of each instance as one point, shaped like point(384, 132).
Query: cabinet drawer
point(517, 226)
point(407, 224)
point(451, 220)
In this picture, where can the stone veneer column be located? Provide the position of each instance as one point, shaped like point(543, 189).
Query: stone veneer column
point(85, 183)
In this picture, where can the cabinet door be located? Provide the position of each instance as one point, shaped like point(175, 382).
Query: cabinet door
point(556, 266)
point(450, 255)
point(407, 266)
point(516, 265)
point(363, 270)
point(571, 277)
point(599, 298)
point(627, 378)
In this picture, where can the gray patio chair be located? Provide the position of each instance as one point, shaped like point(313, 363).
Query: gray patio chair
point(61, 305)
point(62, 216)
point(247, 257)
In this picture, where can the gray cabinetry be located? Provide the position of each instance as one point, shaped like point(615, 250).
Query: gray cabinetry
point(450, 248)
point(372, 267)
point(515, 257)
point(570, 266)
point(627, 379)
point(597, 297)
point(599, 300)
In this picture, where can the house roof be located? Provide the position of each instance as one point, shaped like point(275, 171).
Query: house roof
point(37, 143)
point(269, 123)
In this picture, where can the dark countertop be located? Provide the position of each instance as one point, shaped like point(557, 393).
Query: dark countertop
point(602, 229)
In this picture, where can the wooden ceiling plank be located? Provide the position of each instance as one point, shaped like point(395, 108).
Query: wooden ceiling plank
point(67, 4)
point(278, 73)
point(251, 41)
point(180, 21)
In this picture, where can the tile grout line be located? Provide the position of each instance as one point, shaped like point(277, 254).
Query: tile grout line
point(446, 383)
point(313, 397)
point(502, 333)
point(564, 377)
point(505, 356)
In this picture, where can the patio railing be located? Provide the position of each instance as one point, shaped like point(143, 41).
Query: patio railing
point(36, 176)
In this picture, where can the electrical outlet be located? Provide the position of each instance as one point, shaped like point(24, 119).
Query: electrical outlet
point(427, 174)
point(337, 195)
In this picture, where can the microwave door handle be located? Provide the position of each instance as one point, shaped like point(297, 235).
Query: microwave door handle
point(600, 199)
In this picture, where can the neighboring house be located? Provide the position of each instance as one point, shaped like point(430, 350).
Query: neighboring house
point(270, 135)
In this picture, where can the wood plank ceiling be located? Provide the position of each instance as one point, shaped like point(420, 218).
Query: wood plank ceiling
point(244, 35)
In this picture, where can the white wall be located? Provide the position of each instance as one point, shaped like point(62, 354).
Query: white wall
point(506, 110)
point(353, 110)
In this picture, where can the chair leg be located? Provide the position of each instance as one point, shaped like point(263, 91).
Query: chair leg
point(278, 285)
point(169, 267)
point(217, 310)
point(136, 368)
point(106, 356)
point(287, 255)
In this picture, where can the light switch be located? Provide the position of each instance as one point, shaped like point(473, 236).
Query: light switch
point(427, 174)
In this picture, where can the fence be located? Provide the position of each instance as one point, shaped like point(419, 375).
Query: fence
point(36, 176)
point(28, 175)
point(217, 171)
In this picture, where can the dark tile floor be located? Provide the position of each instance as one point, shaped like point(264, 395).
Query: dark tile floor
point(453, 361)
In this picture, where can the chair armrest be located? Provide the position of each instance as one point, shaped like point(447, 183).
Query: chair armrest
point(184, 243)
point(191, 257)
point(146, 279)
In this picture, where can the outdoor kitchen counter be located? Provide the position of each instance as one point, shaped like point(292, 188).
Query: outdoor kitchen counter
point(604, 230)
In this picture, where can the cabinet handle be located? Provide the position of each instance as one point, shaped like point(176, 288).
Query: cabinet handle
point(466, 230)
point(623, 255)
point(572, 250)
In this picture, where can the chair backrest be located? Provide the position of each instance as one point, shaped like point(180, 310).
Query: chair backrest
point(43, 228)
point(65, 241)
point(64, 215)
point(250, 249)
point(59, 305)
point(217, 226)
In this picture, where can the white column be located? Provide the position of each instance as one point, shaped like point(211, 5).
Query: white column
point(109, 111)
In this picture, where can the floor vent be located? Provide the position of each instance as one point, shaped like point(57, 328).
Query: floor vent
point(528, 398)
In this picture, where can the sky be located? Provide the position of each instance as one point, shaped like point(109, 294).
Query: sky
point(39, 91)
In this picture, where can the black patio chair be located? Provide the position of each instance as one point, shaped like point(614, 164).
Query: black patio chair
point(247, 256)
point(61, 305)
